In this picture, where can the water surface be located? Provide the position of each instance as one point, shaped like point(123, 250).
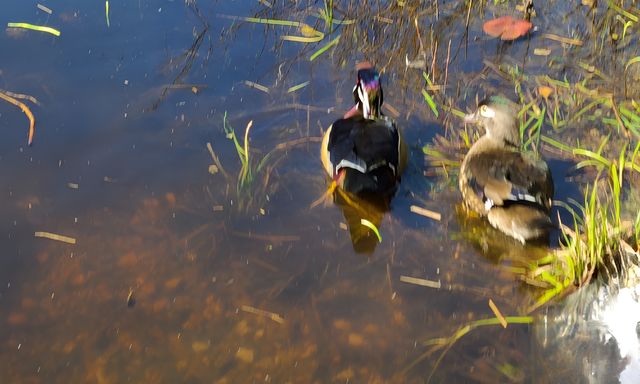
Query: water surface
point(177, 278)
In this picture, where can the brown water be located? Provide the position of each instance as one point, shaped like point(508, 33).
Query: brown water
point(171, 267)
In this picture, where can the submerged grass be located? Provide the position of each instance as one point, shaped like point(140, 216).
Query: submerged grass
point(252, 179)
point(446, 343)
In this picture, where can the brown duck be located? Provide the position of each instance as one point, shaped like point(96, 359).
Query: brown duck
point(512, 188)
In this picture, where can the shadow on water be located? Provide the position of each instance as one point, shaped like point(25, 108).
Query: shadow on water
point(170, 281)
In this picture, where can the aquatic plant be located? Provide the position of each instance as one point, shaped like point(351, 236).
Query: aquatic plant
point(597, 243)
point(327, 14)
point(252, 179)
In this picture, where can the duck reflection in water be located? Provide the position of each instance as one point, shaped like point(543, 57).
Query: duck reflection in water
point(370, 208)
point(364, 154)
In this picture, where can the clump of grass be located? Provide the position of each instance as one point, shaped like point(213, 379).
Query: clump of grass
point(598, 242)
point(446, 343)
point(252, 179)
point(327, 14)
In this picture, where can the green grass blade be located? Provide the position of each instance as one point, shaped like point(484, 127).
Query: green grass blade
point(556, 144)
point(426, 78)
point(632, 61)
point(38, 28)
point(325, 48)
point(454, 111)
point(297, 87)
point(430, 101)
point(371, 226)
point(593, 155)
point(285, 23)
point(624, 13)
point(106, 12)
point(303, 39)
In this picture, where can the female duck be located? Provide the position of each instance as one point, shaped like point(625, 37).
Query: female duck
point(364, 151)
point(511, 188)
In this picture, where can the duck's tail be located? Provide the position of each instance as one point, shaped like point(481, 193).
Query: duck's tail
point(380, 181)
point(524, 222)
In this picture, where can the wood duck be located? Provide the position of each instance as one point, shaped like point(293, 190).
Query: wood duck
point(364, 152)
point(513, 189)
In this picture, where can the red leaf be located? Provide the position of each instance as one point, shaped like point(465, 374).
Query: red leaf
point(506, 27)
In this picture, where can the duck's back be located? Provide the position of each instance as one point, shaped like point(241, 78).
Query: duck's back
point(504, 175)
point(367, 150)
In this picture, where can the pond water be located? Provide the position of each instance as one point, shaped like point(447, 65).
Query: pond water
point(180, 275)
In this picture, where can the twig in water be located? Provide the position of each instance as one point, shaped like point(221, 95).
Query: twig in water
point(562, 39)
point(21, 96)
point(261, 312)
point(433, 61)
point(618, 119)
point(426, 213)
point(257, 86)
point(217, 161)
point(26, 110)
point(466, 23)
point(54, 236)
point(498, 314)
point(294, 142)
point(446, 68)
point(422, 282)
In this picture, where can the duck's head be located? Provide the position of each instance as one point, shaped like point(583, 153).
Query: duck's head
point(497, 115)
point(368, 91)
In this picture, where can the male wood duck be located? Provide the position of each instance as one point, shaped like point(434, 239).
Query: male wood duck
point(513, 189)
point(364, 152)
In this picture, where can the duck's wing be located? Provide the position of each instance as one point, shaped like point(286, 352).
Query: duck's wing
point(502, 176)
point(363, 145)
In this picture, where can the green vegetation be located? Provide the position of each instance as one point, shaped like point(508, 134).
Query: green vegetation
point(446, 343)
point(598, 242)
point(252, 179)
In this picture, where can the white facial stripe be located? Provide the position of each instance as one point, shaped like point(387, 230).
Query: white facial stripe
point(364, 98)
point(487, 112)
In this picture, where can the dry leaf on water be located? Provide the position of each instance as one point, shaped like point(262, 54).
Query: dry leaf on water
point(506, 27)
point(545, 91)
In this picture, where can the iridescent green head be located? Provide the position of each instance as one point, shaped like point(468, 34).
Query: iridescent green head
point(368, 91)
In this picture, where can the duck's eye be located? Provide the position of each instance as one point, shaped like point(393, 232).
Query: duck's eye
point(486, 111)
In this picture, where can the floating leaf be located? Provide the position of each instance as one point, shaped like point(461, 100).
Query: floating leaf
point(545, 91)
point(507, 27)
point(541, 52)
point(309, 35)
point(308, 31)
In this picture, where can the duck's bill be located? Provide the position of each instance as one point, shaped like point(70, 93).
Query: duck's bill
point(470, 117)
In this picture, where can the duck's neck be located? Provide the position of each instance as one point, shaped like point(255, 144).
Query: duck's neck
point(371, 112)
point(486, 143)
